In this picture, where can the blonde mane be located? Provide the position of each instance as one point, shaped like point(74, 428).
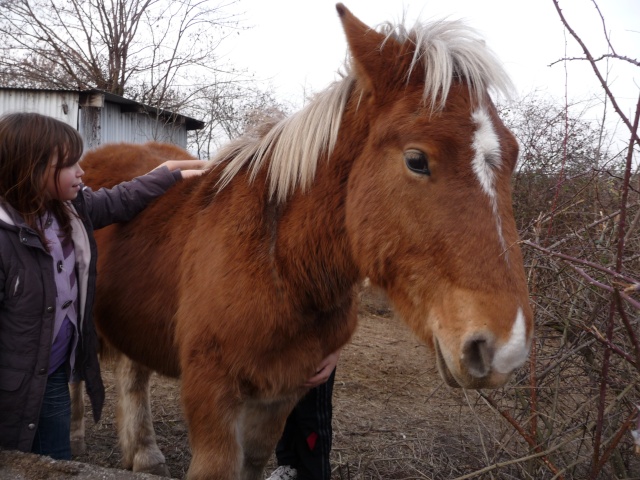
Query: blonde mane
point(446, 50)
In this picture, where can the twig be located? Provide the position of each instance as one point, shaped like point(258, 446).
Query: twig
point(531, 441)
point(597, 437)
point(583, 229)
point(624, 58)
point(630, 330)
point(565, 357)
point(598, 336)
point(511, 462)
point(615, 441)
point(617, 275)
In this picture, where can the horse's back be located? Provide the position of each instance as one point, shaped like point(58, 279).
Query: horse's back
point(114, 163)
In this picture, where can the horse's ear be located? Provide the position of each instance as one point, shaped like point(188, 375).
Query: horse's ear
point(371, 61)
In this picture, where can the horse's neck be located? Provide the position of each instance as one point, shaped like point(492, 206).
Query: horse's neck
point(311, 244)
point(313, 226)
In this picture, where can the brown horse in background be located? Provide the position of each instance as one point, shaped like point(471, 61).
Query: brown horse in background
point(240, 281)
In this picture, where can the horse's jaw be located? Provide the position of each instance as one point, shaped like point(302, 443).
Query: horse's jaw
point(443, 369)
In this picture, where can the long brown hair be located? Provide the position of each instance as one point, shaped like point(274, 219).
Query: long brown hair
point(28, 142)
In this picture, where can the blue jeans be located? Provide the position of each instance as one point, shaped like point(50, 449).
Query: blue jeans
point(54, 425)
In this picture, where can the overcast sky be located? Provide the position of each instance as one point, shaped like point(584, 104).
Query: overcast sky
point(296, 46)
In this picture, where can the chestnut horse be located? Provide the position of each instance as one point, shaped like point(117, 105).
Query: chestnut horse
point(242, 280)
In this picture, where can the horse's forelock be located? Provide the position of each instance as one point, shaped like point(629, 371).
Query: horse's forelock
point(445, 50)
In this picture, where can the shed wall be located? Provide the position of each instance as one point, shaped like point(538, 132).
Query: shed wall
point(117, 126)
point(60, 105)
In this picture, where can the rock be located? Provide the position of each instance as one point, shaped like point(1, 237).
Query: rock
point(28, 466)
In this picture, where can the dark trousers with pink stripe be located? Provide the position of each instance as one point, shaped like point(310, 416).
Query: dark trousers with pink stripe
point(306, 441)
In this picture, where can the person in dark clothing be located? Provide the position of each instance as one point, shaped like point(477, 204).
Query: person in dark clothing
point(304, 448)
point(48, 275)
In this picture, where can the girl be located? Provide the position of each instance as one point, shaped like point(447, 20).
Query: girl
point(48, 275)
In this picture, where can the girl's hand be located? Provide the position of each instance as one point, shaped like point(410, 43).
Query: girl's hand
point(188, 168)
point(324, 370)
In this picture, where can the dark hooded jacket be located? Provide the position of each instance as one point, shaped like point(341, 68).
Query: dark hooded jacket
point(28, 299)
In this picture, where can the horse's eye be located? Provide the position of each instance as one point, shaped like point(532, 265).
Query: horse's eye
point(416, 161)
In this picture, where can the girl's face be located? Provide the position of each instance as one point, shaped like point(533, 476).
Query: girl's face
point(69, 181)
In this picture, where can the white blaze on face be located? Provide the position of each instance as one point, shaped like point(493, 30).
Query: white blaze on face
point(515, 351)
point(486, 162)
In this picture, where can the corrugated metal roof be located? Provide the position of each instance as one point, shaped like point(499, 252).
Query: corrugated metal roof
point(101, 117)
point(189, 122)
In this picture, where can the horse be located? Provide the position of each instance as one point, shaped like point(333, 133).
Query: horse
point(242, 280)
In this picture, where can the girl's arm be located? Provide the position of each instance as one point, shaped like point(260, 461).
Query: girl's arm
point(124, 201)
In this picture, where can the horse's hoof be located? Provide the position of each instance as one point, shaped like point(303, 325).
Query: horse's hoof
point(78, 447)
point(159, 469)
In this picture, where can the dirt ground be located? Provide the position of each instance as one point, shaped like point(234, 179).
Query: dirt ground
point(394, 418)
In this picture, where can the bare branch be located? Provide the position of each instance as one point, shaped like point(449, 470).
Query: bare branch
point(602, 81)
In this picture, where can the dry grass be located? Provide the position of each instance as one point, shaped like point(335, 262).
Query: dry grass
point(395, 419)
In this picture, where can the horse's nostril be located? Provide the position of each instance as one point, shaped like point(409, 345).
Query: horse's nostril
point(477, 355)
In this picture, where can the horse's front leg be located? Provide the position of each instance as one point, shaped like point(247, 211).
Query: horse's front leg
point(211, 407)
point(231, 437)
point(227, 433)
point(78, 445)
point(261, 425)
point(140, 451)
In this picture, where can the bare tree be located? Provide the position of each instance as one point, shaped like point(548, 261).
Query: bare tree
point(145, 49)
point(230, 110)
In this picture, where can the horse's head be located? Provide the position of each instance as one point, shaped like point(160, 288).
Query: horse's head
point(429, 210)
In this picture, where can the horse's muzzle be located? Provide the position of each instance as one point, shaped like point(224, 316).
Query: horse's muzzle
point(475, 369)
